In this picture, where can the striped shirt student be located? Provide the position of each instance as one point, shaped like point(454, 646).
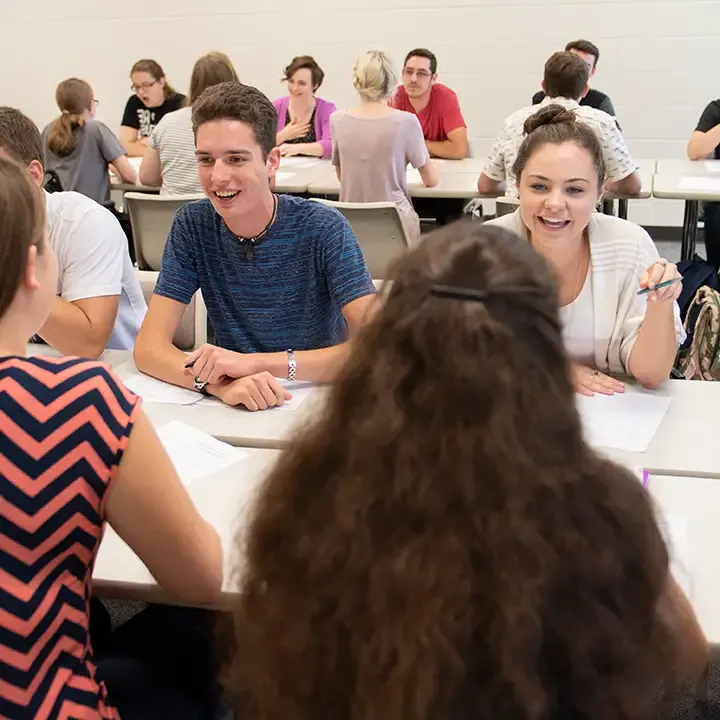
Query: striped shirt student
point(174, 140)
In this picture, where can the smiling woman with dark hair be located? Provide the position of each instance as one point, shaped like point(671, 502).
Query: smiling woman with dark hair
point(441, 542)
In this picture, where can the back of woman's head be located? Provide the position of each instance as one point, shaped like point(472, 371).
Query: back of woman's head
point(556, 125)
point(22, 221)
point(211, 69)
point(74, 97)
point(374, 77)
point(441, 542)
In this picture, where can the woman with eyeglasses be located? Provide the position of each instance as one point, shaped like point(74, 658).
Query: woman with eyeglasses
point(153, 98)
point(441, 542)
point(80, 148)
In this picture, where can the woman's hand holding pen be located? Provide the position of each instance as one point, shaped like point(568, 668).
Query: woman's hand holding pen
point(661, 282)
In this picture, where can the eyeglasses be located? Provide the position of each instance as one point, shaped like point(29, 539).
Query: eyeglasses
point(142, 86)
point(96, 103)
point(420, 74)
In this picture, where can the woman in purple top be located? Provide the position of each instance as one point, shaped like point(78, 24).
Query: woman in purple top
point(303, 119)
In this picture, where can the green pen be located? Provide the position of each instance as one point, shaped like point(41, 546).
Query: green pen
point(659, 286)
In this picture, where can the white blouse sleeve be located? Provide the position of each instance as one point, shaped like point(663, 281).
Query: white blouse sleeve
point(634, 306)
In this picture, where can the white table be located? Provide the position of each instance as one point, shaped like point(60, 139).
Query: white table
point(271, 428)
point(698, 499)
point(223, 499)
point(693, 189)
point(688, 167)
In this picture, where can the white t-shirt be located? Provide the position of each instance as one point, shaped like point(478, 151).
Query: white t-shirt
point(579, 325)
point(618, 162)
point(93, 261)
point(174, 140)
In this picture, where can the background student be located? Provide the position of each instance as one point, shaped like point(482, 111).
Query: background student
point(374, 143)
point(303, 125)
point(153, 98)
point(80, 148)
point(94, 456)
point(453, 548)
point(169, 160)
point(601, 261)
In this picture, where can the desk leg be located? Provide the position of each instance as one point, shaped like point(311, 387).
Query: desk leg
point(608, 207)
point(690, 224)
point(623, 208)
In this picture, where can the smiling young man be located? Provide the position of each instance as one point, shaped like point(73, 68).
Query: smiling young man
point(565, 82)
point(436, 106)
point(283, 278)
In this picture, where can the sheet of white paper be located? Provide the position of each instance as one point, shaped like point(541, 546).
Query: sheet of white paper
point(674, 530)
point(299, 391)
point(625, 421)
point(157, 391)
point(712, 166)
point(195, 453)
point(413, 177)
point(700, 183)
point(298, 162)
point(282, 177)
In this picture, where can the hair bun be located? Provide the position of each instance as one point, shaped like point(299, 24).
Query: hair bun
point(550, 115)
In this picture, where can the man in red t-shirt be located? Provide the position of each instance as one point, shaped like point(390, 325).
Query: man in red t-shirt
point(435, 105)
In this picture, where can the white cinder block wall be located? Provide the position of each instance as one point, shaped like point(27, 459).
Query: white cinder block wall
point(658, 57)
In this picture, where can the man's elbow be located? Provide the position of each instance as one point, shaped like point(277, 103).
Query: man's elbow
point(693, 152)
point(630, 185)
point(458, 150)
point(486, 185)
point(142, 352)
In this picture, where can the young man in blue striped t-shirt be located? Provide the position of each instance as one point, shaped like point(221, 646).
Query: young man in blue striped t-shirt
point(283, 278)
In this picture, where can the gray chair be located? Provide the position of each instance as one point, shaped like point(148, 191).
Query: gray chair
point(379, 230)
point(191, 333)
point(151, 217)
point(505, 206)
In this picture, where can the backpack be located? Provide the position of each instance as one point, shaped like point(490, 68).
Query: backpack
point(699, 357)
point(696, 273)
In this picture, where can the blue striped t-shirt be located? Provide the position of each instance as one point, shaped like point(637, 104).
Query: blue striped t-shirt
point(288, 295)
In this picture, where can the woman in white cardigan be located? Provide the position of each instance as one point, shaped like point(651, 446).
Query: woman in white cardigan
point(601, 262)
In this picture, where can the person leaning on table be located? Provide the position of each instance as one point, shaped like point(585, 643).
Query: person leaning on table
point(440, 542)
point(601, 261)
point(76, 451)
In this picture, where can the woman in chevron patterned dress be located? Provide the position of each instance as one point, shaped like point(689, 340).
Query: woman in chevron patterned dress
point(75, 449)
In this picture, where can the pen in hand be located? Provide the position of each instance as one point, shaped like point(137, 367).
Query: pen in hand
point(646, 290)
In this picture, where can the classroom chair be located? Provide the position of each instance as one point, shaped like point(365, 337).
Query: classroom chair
point(151, 217)
point(379, 230)
point(192, 330)
point(506, 206)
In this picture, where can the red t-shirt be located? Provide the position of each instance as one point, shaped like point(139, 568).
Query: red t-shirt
point(441, 116)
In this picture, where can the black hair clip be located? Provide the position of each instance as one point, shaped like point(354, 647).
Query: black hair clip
point(458, 293)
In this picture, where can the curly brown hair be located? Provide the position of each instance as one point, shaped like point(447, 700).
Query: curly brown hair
point(441, 542)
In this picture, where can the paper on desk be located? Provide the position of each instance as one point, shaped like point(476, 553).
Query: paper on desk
point(157, 391)
point(674, 529)
point(299, 162)
point(626, 421)
point(700, 183)
point(712, 166)
point(195, 453)
point(299, 391)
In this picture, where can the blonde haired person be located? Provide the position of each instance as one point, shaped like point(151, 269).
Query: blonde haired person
point(374, 143)
point(169, 160)
point(80, 148)
point(153, 98)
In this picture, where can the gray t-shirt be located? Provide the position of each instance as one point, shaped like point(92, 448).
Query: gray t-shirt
point(373, 153)
point(85, 169)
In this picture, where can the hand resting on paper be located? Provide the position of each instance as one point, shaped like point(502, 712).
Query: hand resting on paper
point(256, 392)
point(588, 381)
point(213, 364)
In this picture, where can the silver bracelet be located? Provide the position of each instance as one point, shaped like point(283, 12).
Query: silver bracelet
point(292, 365)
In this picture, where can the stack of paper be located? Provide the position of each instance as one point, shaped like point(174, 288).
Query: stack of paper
point(625, 421)
point(157, 391)
point(194, 453)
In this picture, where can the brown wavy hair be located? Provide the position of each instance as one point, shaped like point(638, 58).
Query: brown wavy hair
point(73, 97)
point(441, 542)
